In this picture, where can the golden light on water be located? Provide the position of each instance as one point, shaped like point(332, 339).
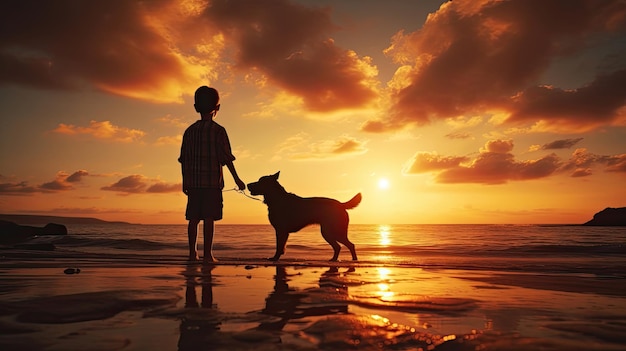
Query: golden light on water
point(384, 231)
point(383, 273)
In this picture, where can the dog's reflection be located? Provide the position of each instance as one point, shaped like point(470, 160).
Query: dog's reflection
point(197, 329)
point(288, 304)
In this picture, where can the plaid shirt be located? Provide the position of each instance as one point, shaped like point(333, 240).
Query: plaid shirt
point(205, 149)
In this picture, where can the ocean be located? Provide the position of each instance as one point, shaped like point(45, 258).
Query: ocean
point(527, 248)
point(414, 287)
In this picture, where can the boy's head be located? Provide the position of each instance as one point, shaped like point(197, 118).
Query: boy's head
point(206, 100)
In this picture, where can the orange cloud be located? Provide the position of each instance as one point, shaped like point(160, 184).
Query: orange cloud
point(162, 187)
point(102, 130)
point(561, 144)
point(483, 57)
point(122, 47)
point(582, 161)
point(62, 182)
point(424, 162)
point(162, 50)
point(131, 184)
point(495, 164)
point(139, 184)
point(290, 45)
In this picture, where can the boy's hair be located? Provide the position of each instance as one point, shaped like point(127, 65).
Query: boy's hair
point(206, 99)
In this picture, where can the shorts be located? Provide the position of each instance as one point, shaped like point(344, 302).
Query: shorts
point(204, 203)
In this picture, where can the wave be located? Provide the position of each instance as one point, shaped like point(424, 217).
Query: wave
point(122, 244)
point(599, 249)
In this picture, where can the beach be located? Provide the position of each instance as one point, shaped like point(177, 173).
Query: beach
point(155, 300)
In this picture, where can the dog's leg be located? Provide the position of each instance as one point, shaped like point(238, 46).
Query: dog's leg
point(350, 247)
point(336, 249)
point(281, 242)
point(329, 236)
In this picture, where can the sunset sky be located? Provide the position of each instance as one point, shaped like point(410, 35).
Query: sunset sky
point(437, 112)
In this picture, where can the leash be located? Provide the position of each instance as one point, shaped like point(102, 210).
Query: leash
point(242, 193)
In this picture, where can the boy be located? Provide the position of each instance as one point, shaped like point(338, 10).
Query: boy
point(204, 151)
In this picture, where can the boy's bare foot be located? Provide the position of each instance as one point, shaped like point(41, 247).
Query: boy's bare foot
point(194, 258)
point(209, 259)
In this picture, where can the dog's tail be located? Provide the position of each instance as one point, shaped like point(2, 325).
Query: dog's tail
point(354, 202)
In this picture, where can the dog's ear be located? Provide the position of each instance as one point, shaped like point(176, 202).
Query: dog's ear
point(275, 176)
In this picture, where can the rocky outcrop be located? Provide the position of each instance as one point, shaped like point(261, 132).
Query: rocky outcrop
point(609, 217)
point(19, 235)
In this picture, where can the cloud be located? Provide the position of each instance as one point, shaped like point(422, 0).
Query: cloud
point(495, 164)
point(582, 161)
point(162, 50)
point(131, 184)
point(561, 144)
point(19, 188)
point(139, 184)
point(104, 130)
point(77, 176)
point(162, 187)
point(324, 149)
point(458, 135)
point(290, 45)
point(62, 182)
point(169, 140)
point(489, 57)
point(130, 48)
point(424, 162)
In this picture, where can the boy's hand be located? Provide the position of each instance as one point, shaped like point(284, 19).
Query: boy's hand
point(240, 184)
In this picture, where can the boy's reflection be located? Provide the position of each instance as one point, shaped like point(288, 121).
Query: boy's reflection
point(287, 304)
point(198, 328)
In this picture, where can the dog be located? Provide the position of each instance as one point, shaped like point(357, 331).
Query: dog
point(288, 213)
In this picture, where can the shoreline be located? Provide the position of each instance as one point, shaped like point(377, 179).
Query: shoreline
point(287, 306)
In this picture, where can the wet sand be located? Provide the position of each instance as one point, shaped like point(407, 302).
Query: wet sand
point(255, 306)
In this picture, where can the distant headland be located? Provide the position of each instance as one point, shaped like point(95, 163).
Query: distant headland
point(609, 217)
point(37, 219)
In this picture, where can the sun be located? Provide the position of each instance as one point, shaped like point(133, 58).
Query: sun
point(383, 183)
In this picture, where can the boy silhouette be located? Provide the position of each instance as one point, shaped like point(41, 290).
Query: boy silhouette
point(204, 151)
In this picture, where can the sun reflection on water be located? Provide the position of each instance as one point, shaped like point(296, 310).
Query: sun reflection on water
point(384, 289)
point(384, 231)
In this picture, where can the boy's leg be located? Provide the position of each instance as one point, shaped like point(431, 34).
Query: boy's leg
point(208, 241)
point(192, 232)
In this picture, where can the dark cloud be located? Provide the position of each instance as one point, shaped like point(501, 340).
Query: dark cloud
point(290, 44)
point(56, 185)
point(596, 104)
point(139, 184)
point(160, 50)
point(561, 144)
point(20, 188)
point(116, 46)
point(581, 172)
point(582, 162)
point(477, 57)
point(62, 182)
point(165, 188)
point(495, 164)
point(77, 176)
point(131, 184)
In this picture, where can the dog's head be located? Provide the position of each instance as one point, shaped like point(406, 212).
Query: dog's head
point(265, 185)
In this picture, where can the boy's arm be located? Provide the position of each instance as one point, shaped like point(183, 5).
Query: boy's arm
point(233, 172)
